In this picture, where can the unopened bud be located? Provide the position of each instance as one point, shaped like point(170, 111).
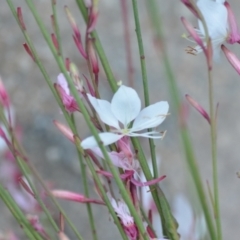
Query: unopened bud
point(93, 17)
point(76, 77)
point(232, 58)
point(88, 3)
point(20, 19)
point(55, 42)
point(66, 131)
point(73, 23)
point(198, 107)
point(62, 236)
point(29, 51)
point(93, 57)
point(4, 98)
point(67, 64)
point(75, 197)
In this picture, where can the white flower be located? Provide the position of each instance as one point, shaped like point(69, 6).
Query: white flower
point(215, 15)
point(123, 109)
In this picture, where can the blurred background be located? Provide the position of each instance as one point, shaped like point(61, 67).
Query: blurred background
point(55, 157)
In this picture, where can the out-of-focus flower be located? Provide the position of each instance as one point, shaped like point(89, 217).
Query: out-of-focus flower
point(123, 109)
point(191, 227)
point(125, 217)
point(68, 101)
point(220, 22)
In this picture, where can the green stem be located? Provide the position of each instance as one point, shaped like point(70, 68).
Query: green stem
point(145, 81)
point(57, 31)
point(18, 215)
point(22, 166)
point(86, 191)
point(187, 144)
point(214, 156)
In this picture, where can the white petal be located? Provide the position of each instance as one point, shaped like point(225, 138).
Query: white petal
point(106, 138)
point(125, 105)
point(61, 80)
point(103, 109)
point(215, 15)
point(151, 116)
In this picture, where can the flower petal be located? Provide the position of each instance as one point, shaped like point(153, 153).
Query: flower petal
point(61, 80)
point(151, 116)
point(125, 105)
point(106, 138)
point(215, 15)
point(103, 109)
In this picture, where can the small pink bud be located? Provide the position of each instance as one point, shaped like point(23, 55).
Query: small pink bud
point(75, 197)
point(55, 42)
point(232, 58)
point(67, 64)
point(88, 3)
point(73, 23)
point(62, 236)
point(4, 98)
point(66, 131)
point(76, 77)
point(234, 35)
point(93, 56)
point(35, 222)
point(198, 107)
point(20, 19)
point(29, 51)
point(93, 19)
point(191, 7)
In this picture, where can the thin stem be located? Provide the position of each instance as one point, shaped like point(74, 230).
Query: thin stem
point(127, 40)
point(86, 191)
point(144, 81)
point(214, 156)
point(57, 31)
point(18, 214)
point(173, 89)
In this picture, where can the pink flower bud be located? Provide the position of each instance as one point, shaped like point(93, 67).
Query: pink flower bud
point(62, 236)
point(234, 35)
point(4, 98)
point(29, 51)
point(20, 19)
point(198, 107)
point(75, 197)
point(232, 58)
point(66, 131)
point(191, 7)
point(93, 19)
point(55, 42)
point(93, 56)
point(67, 64)
point(76, 77)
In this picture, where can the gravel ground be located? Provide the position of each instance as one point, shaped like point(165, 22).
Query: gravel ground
point(55, 157)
